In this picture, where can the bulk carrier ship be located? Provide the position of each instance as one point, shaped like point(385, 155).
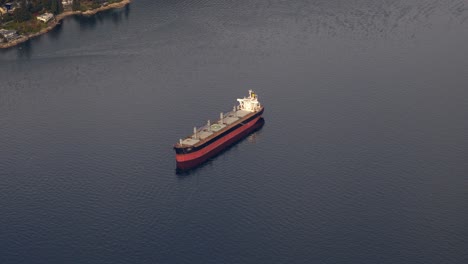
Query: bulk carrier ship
point(207, 141)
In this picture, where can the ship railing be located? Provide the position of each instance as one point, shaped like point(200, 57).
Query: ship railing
point(206, 127)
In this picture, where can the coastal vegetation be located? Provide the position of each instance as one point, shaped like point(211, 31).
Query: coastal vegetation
point(22, 16)
point(24, 10)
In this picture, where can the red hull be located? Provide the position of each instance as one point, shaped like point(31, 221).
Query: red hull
point(199, 156)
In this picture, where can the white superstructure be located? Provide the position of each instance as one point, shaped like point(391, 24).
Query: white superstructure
point(250, 103)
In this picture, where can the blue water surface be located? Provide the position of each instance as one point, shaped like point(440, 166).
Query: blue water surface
point(363, 157)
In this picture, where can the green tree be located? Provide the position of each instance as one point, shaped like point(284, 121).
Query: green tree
point(35, 6)
point(22, 13)
point(46, 4)
point(56, 6)
point(76, 5)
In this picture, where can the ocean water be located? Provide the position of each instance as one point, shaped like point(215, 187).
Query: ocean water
point(363, 157)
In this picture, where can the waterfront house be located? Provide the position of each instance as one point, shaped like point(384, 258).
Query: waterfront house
point(46, 17)
point(67, 2)
point(8, 35)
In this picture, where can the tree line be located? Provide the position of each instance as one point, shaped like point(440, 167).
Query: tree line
point(26, 8)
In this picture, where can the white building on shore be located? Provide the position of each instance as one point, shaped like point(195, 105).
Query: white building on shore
point(46, 17)
point(8, 35)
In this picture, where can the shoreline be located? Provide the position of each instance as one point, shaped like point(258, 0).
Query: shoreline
point(58, 18)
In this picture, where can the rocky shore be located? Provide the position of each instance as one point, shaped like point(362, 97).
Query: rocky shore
point(59, 18)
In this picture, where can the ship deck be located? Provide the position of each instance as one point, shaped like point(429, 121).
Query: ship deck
point(207, 132)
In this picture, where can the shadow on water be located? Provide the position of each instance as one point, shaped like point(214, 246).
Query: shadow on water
point(127, 11)
point(114, 15)
point(56, 32)
point(188, 171)
point(24, 50)
point(120, 14)
point(86, 22)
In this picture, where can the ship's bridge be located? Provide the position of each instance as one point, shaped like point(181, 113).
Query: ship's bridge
point(250, 104)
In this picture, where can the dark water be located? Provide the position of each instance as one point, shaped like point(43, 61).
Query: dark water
point(363, 157)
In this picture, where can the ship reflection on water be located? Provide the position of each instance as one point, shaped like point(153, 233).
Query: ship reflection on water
point(186, 168)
